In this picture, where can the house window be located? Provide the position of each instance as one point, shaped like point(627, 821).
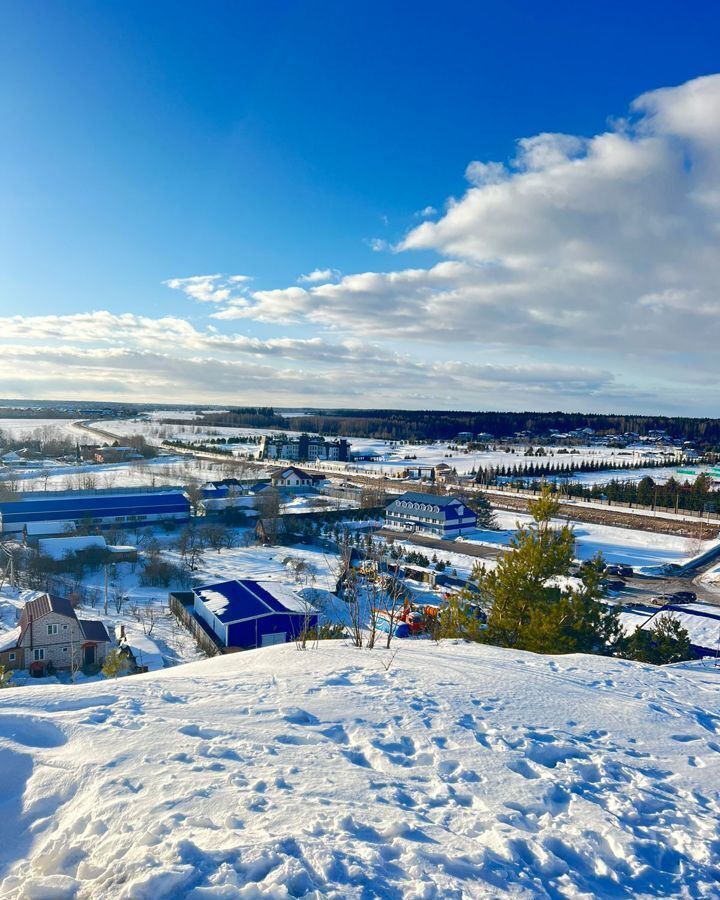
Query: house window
point(64, 627)
point(64, 649)
point(38, 654)
point(11, 657)
point(52, 629)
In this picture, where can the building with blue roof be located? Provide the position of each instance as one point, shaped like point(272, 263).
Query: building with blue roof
point(444, 516)
point(98, 509)
point(249, 614)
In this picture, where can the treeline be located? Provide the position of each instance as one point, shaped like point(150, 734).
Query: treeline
point(696, 496)
point(425, 425)
point(14, 412)
point(521, 470)
point(429, 425)
point(242, 417)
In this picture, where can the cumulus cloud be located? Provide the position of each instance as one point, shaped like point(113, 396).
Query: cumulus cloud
point(318, 275)
point(208, 288)
point(94, 353)
point(607, 241)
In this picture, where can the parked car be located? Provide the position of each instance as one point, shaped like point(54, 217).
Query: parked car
point(626, 571)
point(683, 597)
point(614, 585)
point(612, 570)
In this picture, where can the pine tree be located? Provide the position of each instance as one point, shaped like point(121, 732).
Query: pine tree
point(665, 642)
point(529, 606)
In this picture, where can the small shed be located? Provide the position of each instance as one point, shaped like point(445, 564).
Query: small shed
point(250, 614)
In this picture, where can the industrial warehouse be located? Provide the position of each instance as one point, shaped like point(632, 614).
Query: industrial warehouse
point(62, 512)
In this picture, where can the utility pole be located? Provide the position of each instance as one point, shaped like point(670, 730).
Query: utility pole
point(106, 589)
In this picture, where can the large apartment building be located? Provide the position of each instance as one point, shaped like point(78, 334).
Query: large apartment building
point(303, 448)
point(447, 517)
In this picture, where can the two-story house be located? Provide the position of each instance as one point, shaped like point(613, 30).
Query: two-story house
point(50, 636)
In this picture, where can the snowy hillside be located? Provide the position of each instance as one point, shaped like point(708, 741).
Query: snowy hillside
point(459, 771)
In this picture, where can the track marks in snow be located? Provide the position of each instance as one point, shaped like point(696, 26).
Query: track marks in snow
point(31, 731)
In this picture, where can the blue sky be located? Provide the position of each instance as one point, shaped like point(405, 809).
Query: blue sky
point(149, 143)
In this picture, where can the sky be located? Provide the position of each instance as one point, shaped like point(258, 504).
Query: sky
point(463, 205)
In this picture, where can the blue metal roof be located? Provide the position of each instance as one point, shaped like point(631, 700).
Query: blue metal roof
point(96, 505)
point(235, 601)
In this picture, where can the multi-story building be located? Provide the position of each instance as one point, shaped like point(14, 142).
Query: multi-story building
point(303, 448)
point(446, 517)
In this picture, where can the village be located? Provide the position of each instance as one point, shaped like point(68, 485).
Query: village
point(279, 545)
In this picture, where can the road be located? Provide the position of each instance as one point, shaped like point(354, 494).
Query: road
point(640, 589)
point(479, 551)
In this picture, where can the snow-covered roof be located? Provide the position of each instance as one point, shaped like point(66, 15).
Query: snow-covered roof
point(37, 528)
point(9, 639)
point(239, 600)
point(59, 547)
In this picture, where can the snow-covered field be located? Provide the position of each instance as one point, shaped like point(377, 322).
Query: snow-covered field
point(41, 428)
point(440, 772)
point(618, 545)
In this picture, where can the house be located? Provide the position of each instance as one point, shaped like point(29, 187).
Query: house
point(116, 454)
point(50, 637)
point(97, 509)
point(446, 517)
point(293, 478)
point(271, 531)
point(464, 437)
point(249, 614)
point(444, 473)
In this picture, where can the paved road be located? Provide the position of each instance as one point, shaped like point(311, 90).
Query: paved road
point(430, 543)
point(640, 590)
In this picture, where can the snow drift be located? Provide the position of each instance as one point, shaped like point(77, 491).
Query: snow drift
point(436, 771)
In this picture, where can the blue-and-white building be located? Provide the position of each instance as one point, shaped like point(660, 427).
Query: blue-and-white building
point(446, 517)
point(249, 614)
point(98, 509)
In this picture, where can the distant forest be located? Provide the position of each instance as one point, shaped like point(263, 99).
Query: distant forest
point(425, 425)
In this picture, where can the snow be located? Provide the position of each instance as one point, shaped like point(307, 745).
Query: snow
point(443, 771)
point(630, 546)
point(700, 620)
point(146, 651)
point(57, 548)
point(9, 639)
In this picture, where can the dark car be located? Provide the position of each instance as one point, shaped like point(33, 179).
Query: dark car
point(626, 571)
point(613, 570)
point(683, 597)
point(612, 585)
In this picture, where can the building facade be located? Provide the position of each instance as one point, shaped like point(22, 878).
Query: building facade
point(99, 509)
point(303, 448)
point(248, 614)
point(50, 636)
point(446, 517)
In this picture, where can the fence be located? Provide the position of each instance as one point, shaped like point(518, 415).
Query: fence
point(655, 511)
point(181, 606)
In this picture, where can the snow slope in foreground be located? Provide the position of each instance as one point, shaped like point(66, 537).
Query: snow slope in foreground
point(463, 771)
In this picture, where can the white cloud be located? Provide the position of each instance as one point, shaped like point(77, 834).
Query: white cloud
point(208, 288)
point(100, 353)
point(318, 275)
point(560, 248)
